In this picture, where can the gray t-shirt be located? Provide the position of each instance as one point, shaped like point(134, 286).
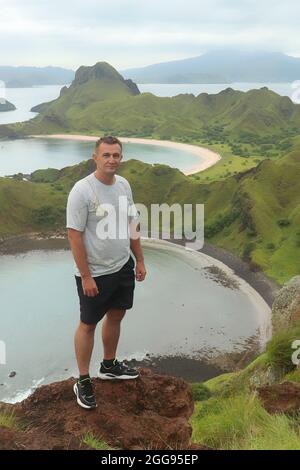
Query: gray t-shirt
point(103, 213)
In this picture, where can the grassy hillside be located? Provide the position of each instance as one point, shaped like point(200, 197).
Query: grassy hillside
point(245, 126)
point(229, 414)
point(251, 195)
point(254, 214)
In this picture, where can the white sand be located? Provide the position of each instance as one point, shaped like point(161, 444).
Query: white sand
point(197, 258)
point(206, 160)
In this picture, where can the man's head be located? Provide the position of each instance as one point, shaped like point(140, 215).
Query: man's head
point(108, 154)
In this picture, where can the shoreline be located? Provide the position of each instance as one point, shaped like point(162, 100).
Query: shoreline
point(210, 158)
point(191, 369)
point(259, 288)
point(266, 287)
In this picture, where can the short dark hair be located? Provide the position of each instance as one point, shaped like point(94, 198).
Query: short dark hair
point(108, 139)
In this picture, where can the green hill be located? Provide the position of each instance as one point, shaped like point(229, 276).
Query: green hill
point(251, 196)
point(99, 100)
point(244, 127)
point(254, 214)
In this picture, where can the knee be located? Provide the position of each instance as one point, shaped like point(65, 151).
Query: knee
point(87, 328)
point(116, 315)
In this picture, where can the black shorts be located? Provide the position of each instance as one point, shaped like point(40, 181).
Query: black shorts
point(115, 291)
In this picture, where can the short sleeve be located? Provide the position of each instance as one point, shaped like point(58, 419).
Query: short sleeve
point(77, 210)
point(133, 214)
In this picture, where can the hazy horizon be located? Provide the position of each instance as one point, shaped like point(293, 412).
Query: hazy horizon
point(128, 67)
point(131, 33)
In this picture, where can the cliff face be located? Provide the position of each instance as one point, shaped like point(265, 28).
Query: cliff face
point(151, 412)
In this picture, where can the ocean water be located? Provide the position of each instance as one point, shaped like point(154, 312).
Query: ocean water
point(27, 155)
point(24, 99)
point(180, 309)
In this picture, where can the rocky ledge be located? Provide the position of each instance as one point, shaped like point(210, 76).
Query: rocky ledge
point(151, 412)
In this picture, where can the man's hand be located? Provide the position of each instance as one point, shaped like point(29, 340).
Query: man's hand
point(89, 286)
point(140, 271)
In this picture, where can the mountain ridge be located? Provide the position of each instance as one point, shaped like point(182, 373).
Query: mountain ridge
point(223, 66)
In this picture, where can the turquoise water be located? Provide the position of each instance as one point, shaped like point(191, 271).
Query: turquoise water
point(178, 310)
point(28, 155)
point(24, 99)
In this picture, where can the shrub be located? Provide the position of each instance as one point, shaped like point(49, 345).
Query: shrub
point(283, 222)
point(200, 392)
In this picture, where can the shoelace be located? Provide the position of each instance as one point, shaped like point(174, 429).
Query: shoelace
point(124, 367)
point(120, 365)
point(87, 387)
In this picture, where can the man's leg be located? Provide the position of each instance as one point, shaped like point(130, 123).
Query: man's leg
point(111, 328)
point(111, 368)
point(84, 343)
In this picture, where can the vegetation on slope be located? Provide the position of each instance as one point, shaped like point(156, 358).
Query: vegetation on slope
point(229, 414)
point(245, 127)
point(255, 214)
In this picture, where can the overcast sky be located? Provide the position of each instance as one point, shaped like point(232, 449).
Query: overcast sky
point(129, 33)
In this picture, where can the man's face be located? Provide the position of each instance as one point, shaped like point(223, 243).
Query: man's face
point(108, 158)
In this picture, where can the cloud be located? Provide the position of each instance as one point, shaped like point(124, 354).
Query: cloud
point(131, 33)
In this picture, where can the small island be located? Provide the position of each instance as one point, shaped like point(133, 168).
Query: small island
point(6, 106)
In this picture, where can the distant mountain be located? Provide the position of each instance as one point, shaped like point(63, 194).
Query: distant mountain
point(221, 66)
point(21, 77)
point(6, 106)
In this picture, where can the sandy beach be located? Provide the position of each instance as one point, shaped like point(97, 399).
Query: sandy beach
point(207, 158)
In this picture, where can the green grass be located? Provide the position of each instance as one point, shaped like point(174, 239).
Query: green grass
point(200, 391)
point(229, 165)
point(279, 349)
point(277, 359)
point(241, 422)
point(231, 416)
point(9, 420)
point(293, 376)
point(95, 443)
point(243, 216)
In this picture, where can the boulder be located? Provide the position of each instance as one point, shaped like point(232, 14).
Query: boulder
point(286, 305)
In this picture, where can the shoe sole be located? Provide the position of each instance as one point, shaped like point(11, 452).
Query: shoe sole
point(116, 377)
point(80, 403)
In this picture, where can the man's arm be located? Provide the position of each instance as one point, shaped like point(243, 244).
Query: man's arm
point(89, 285)
point(140, 270)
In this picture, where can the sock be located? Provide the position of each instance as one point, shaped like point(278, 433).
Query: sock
point(83, 377)
point(108, 362)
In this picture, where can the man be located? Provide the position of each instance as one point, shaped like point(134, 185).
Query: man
point(105, 275)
